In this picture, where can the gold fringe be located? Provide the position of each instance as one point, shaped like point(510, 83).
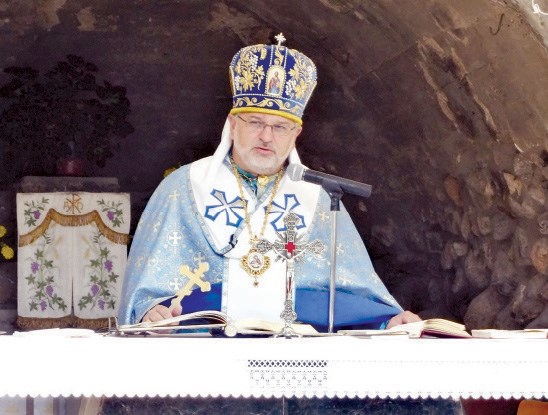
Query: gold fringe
point(93, 324)
point(73, 220)
point(31, 323)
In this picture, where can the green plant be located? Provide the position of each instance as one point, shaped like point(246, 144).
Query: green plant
point(61, 113)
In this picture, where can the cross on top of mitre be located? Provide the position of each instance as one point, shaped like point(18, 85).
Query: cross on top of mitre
point(280, 38)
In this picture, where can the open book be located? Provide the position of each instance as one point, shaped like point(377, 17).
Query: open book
point(217, 321)
point(434, 327)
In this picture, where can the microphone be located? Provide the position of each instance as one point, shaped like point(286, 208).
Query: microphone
point(329, 182)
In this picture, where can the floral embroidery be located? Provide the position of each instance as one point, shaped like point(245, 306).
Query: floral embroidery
point(114, 213)
point(42, 281)
point(249, 74)
point(102, 279)
point(302, 79)
point(34, 211)
point(266, 103)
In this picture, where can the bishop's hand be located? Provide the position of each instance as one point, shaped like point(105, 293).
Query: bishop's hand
point(161, 312)
point(403, 318)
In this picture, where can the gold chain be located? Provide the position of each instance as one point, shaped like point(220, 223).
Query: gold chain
point(260, 180)
point(253, 238)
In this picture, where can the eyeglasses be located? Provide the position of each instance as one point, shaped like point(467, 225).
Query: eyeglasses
point(278, 130)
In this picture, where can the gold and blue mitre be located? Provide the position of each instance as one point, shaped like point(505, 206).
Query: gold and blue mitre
point(272, 79)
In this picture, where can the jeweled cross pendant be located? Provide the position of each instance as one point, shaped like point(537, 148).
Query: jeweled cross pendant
point(290, 248)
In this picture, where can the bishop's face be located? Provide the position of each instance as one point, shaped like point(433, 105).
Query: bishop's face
point(261, 143)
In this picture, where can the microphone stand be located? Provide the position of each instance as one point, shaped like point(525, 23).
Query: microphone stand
point(334, 186)
point(335, 192)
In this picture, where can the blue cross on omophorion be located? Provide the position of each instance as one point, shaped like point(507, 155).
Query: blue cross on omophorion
point(290, 203)
point(226, 207)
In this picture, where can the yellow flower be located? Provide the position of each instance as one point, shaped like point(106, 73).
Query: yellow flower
point(300, 89)
point(246, 80)
point(7, 251)
point(3, 231)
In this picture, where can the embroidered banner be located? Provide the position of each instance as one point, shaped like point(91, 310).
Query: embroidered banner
point(71, 258)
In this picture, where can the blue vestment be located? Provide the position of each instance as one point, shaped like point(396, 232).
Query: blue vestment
point(193, 234)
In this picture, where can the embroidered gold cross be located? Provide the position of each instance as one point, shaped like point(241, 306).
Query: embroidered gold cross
point(194, 278)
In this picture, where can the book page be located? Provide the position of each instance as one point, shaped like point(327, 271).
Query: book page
point(251, 326)
point(444, 328)
point(198, 318)
point(212, 319)
point(435, 327)
point(409, 330)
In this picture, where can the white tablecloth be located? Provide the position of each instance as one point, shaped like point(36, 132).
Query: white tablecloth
point(273, 367)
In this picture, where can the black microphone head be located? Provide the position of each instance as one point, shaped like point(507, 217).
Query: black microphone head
point(295, 172)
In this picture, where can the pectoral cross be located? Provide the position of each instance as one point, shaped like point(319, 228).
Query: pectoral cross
point(290, 247)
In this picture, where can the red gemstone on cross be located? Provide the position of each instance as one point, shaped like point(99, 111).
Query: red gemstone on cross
point(290, 247)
